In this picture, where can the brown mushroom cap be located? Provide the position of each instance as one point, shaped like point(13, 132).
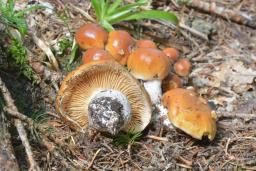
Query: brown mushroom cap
point(120, 45)
point(148, 64)
point(190, 113)
point(172, 53)
point(91, 35)
point(182, 67)
point(144, 43)
point(96, 54)
point(79, 87)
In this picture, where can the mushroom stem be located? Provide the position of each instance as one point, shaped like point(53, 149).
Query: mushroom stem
point(153, 87)
point(109, 111)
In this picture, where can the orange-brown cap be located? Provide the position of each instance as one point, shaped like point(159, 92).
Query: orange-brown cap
point(144, 43)
point(172, 53)
point(190, 113)
point(172, 81)
point(91, 35)
point(81, 85)
point(96, 54)
point(120, 45)
point(148, 64)
point(182, 67)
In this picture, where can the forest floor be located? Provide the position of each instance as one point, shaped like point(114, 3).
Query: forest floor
point(224, 72)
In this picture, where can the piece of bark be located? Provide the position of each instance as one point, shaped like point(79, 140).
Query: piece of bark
point(7, 158)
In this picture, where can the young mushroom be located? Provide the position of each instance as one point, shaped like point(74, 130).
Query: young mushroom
point(91, 35)
point(182, 67)
point(96, 54)
point(120, 45)
point(151, 66)
point(144, 43)
point(104, 96)
point(190, 113)
point(172, 81)
point(172, 53)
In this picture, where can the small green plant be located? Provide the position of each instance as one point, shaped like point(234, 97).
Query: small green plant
point(11, 18)
point(40, 117)
point(124, 139)
point(109, 13)
point(15, 19)
point(64, 44)
point(18, 55)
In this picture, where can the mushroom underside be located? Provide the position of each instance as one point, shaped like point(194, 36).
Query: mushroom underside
point(78, 97)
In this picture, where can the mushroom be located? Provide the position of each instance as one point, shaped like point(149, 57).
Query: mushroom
point(152, 66)
point(91, 35)
point(104, 96)
point(171, 81)
point(96, 54)
point(120, 45)
point(144, 43)
point(172, 53)
point(190, 113)
point(182, 67)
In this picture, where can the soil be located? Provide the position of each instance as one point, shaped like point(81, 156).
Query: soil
point(224, 72)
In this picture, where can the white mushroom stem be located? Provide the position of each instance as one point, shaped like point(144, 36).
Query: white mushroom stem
point(109, 111)
point(153, 87)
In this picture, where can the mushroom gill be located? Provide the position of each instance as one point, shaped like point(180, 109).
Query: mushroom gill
point(105, 96)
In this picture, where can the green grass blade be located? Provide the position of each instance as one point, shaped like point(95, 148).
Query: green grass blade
point(32, 8)
point(150, 14)
point(127, 7)
point(113, 6)
point(103, 7)
point(97, 7)
point(107, 25)
point(73, 54)
point(11, 6)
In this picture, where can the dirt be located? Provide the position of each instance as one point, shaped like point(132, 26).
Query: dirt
point(224, 72)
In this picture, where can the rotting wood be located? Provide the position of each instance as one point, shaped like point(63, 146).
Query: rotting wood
point(19, 125)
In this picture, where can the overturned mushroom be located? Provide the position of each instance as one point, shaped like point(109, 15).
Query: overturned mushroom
point(105, 96)
point(190, 113)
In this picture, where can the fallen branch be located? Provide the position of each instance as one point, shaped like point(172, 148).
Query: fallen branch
point(19, 126)
point(232, 15)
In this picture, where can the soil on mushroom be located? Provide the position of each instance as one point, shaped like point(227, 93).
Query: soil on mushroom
point(220, 74)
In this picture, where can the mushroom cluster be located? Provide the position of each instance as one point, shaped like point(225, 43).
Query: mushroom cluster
point(122, 79)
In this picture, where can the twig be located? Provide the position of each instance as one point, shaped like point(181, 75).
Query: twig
point(157, 138)
point(194, 32)
point(95, 155)
point(186, 28)
point(232, 15)
point(85, 14)
point(18, 124)
point(245, 116)
point(226, 147)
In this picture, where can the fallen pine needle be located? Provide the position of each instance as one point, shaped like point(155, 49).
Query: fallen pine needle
point(95, 155)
